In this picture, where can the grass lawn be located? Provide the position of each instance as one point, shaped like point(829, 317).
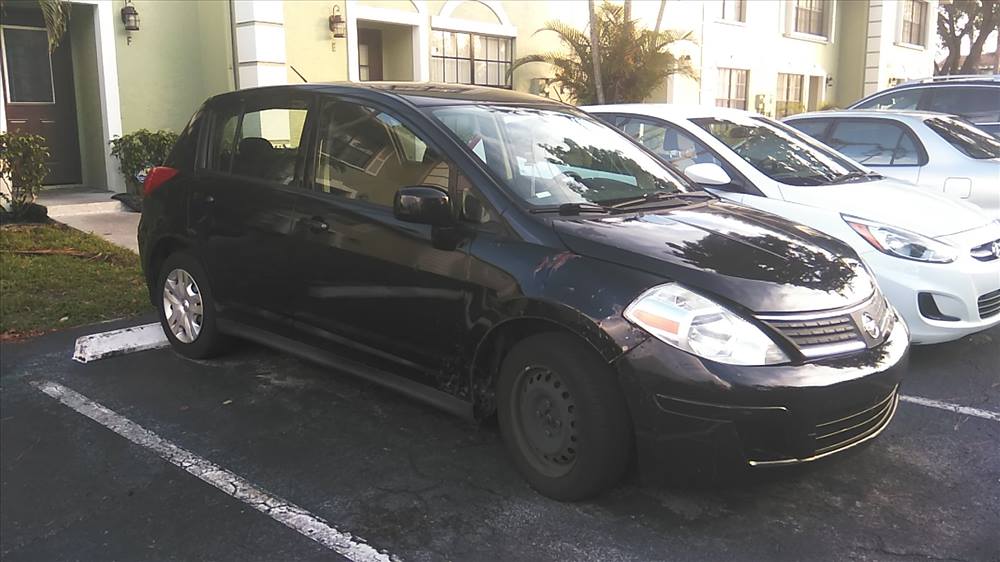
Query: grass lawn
point(83, 279)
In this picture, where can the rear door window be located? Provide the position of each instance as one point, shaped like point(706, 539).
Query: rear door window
point(260, 139)
point(977, 104)
point(875, 142)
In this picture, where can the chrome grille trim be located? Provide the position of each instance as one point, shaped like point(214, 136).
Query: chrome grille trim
point(820, 314)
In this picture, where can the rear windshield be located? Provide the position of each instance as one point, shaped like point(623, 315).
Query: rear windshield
point(968, 139)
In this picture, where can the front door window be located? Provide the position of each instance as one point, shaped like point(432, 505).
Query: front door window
point(29, 68)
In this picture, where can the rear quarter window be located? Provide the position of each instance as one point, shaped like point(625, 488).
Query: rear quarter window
point(183, 155)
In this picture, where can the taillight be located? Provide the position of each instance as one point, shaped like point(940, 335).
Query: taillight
point(156, 177)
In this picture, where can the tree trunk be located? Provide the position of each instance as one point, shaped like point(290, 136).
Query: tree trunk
point(595, 52)
point(976, 49)
point(659, 18)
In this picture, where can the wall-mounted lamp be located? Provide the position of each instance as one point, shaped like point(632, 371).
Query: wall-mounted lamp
point(338, 25)
point(130, 18)
point(829, 81)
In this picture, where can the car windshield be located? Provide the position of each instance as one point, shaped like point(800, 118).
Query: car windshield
point(778, 152)
point(550, 157)
point(970, 140)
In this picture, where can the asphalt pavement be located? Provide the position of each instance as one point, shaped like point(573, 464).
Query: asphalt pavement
point(417, 484)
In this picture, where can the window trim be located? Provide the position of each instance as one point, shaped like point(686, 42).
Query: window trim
point(746, 186)
point(740, 19)
point(829, 17)
point(922, 156)
point(746, 87)
point(925, 25)
point(6, 77)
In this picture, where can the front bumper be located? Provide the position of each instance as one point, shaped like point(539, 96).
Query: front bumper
point(958, 290)
point(685, 407)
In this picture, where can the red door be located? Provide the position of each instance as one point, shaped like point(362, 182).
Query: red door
point(38, 91)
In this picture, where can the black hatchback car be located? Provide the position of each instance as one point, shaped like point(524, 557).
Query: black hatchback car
point(490, 252)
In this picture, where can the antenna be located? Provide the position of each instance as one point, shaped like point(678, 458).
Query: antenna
point(299, 74)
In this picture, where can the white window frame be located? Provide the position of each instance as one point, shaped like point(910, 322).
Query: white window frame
point(828, 23)
point(928, 23)
point(6, 66)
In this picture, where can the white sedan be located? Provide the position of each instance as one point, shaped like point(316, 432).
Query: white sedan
point(931, 150)
point(936, 258)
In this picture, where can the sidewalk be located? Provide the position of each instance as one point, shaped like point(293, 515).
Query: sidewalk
point(93, 211)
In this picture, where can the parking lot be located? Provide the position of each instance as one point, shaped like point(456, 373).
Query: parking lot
point(367, 466)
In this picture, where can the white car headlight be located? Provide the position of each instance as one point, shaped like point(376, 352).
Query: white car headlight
point(902, 243)
point(693, 323)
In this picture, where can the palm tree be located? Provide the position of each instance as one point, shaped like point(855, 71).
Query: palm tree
point(633, 61)
point(54, 12)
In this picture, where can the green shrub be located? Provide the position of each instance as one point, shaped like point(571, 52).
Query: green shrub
point(22, 165)
point(139, 151)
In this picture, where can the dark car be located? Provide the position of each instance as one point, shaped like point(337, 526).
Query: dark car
point(974, 98)
point(490, 252)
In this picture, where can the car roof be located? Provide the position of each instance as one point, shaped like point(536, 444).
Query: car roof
point(897, 114)
point(963, 79)
point(417, 93)
point(668, 111)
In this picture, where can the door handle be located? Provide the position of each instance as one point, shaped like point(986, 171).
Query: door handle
point(316, 224)
point(207, 199)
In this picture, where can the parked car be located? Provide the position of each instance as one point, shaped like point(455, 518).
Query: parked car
point(931, 150)
point(937, 259)
point(487, 252)
point(975, 98)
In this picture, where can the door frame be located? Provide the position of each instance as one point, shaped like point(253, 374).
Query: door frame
point(107, 81)
point(420, 32)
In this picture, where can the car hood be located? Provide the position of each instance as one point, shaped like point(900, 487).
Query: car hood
point(754, 259)
point(894, 203)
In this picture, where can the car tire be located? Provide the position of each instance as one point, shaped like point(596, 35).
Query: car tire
point(186, 308)
point(563, 417)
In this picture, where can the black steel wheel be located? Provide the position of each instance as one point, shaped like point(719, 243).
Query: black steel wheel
point(563, 417)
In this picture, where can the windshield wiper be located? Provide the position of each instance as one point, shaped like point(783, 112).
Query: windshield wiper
point(572, 209)
point(657, 196)
point(855, 175)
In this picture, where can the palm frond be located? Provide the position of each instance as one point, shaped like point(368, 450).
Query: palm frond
point(56, 16)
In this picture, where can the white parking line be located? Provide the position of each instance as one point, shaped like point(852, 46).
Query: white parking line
point(985, 414)
point(119, 342)
point(273, 506)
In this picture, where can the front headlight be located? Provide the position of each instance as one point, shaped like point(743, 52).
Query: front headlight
point(902, 243)
point(693, 323)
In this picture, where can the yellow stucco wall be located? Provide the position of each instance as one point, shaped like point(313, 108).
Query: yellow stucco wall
point(181, 55)
point(309, 45)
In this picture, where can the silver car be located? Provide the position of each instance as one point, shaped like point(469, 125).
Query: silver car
point(931, 150)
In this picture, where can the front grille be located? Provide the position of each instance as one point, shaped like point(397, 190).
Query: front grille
point(985, 252)
point(833, 332)
point(844, 431)
point(989, 304)
point(805, 333)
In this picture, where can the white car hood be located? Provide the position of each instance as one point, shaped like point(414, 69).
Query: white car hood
point(894, 203)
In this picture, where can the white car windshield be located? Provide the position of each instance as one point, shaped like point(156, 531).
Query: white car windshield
point(779, 152)
point(551, 157)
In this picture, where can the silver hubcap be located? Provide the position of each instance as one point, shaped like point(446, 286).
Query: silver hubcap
point(182, 306)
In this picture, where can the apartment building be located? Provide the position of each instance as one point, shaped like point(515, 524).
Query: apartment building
point(131, 64)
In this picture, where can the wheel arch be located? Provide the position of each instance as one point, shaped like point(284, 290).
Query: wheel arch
point(161, 250)
point(535, 318)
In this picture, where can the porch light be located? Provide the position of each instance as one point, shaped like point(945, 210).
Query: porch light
point(130, 17)
point(338, 26)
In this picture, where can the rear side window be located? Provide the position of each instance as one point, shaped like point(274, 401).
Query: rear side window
point(977, 104)
point(260, 140)
point(875, 143)
point(815, 128)
point(970, 140)
point(367, 154)
point(900, 99)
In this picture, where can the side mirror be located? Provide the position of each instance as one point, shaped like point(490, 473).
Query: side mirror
point(423, 205)
point(707, 173)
